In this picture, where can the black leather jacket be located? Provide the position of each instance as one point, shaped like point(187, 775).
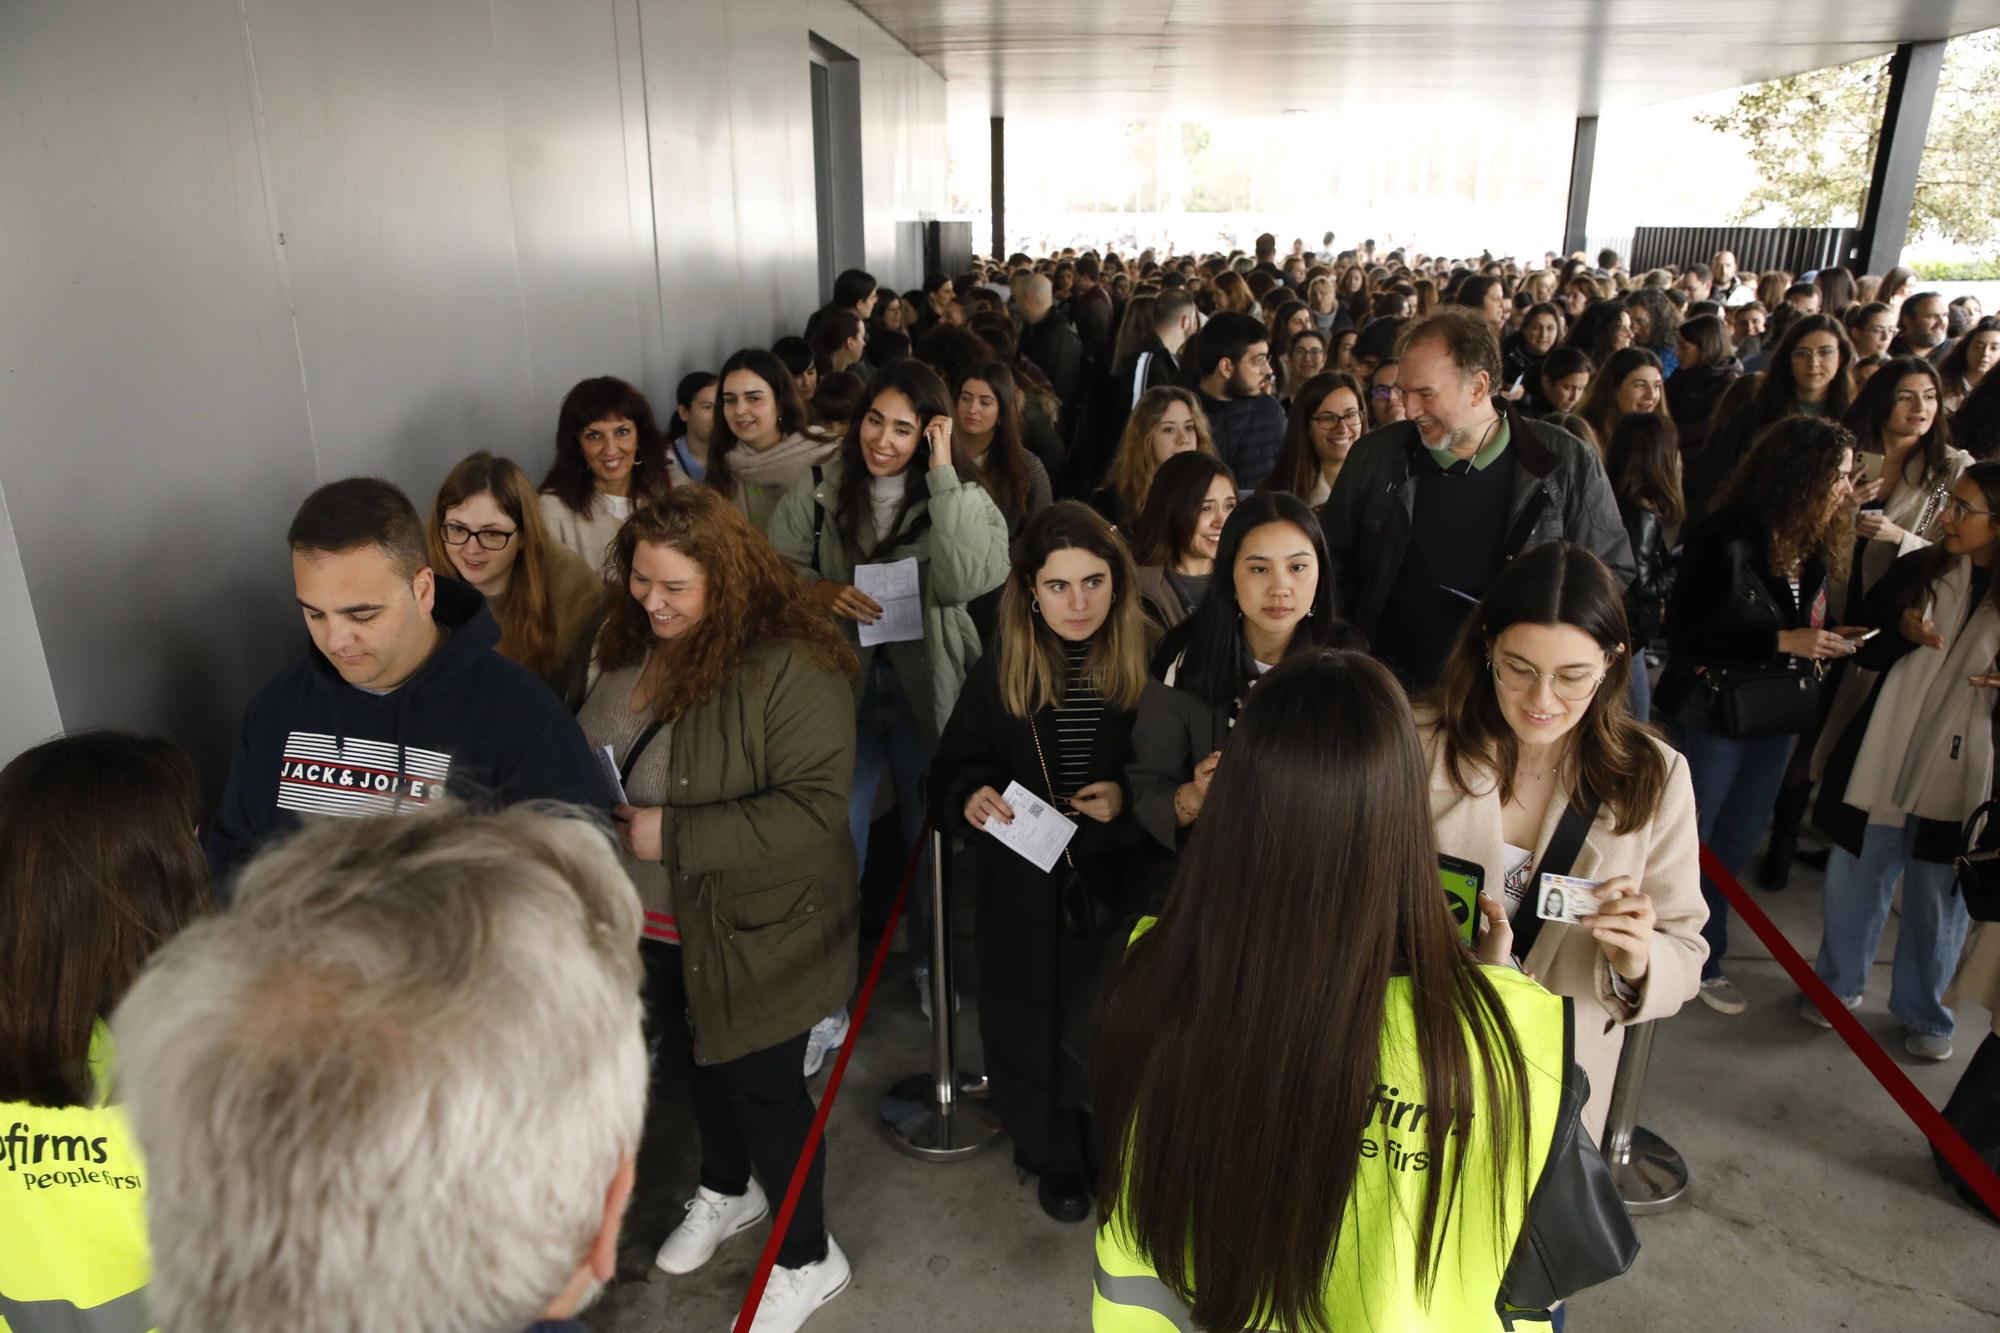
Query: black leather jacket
point(1727, 608)
point(1646, 598)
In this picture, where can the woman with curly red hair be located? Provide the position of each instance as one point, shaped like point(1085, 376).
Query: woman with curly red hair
point(723, 696)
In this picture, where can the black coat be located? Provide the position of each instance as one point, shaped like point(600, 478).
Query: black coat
point(1035, 969)
point(1176, 730)
point(1646, 598)
point(1692, 395)
point(1727, 607)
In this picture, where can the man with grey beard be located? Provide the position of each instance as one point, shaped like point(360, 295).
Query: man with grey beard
point(1429, 509)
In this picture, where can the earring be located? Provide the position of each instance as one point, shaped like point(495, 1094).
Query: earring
point(1036, 602)
point(1309, 611)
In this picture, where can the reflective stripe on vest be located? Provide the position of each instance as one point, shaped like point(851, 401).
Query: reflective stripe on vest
point(125, 1314)
point(1141, 1292)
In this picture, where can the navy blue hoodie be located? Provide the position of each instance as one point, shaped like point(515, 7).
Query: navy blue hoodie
point(470, 722)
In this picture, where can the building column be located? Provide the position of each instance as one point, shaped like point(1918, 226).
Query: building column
point(1582, 157)
point(999, 177)
point(1899, 151)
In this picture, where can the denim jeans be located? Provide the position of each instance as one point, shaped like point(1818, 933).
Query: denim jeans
point(888, 743)
point(1736, 784)
point(1928, 937)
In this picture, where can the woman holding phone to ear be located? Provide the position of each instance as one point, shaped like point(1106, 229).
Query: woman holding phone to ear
point(1907, 771)
point(893, 494)
point(1537, 765)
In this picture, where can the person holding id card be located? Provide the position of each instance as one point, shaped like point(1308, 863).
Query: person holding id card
point(1048, 714)
point(1581, 817)
point(893, 512)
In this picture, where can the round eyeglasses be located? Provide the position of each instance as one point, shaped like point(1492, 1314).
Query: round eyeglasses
point(1570, 685)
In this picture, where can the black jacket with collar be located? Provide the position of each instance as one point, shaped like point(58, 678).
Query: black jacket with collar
point(1728, 607)
point(1560, 494)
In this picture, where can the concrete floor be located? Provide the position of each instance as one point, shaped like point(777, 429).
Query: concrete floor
point(1813, 1202)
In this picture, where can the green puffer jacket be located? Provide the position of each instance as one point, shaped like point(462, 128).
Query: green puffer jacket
point(759, 854)
point(961, 553)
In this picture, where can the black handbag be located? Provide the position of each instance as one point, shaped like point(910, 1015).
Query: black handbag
point(1087, 912)
point(1578, 1232)
point(1773, 701)
point(1977, 864)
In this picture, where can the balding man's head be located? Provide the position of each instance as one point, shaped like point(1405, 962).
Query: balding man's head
point(1036, 296)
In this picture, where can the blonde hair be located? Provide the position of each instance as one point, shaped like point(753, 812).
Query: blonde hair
point(1133, 468)
point(1033, 668)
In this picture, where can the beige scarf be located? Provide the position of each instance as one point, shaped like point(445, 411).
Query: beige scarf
point(783, 463)
point(1929, 747)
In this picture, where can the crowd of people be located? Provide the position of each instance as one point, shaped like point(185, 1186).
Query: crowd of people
point(581, 789)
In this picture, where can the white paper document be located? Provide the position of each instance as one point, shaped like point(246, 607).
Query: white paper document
point(894, 587)
point(1039, 831)
point(608, 763)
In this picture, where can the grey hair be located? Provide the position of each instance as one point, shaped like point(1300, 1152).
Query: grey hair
point(390, 1087)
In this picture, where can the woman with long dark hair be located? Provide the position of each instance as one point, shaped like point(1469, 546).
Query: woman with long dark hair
point(1313, 979)
point(722, 693)
point(1529, 724)
point(1902, 443)
point(1707, 370)
point(1975, 427)
point(1973, 354)
point(609, 460)
point(1601, 330)
point(1176, 536)
point(486, 530)
point(99, 866)
point(1631, 381)
point(1912, 765)
point(894, 494)
point(1809, 375)
point(1272, 595)
point(760, 448)
point(1748, 628)
point(1327, 417)
point(1050, 706)
point(988, 438)
point(1643, 460)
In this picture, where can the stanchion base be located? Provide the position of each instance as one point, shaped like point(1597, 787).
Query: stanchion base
point(1653, 1178)
point(919, 1127)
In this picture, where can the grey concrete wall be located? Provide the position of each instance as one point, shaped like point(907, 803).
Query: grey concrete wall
point(253, 246)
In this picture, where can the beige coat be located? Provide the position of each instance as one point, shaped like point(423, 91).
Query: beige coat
point(1978, 979)
point(1663, 856)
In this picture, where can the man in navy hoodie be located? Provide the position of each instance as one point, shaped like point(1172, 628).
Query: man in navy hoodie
point(404, 700)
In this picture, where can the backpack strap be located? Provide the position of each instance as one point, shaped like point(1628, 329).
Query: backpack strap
point(819, 513)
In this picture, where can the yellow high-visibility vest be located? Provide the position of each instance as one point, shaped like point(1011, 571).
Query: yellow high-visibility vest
point(1373, 1282)
point(73, 1215)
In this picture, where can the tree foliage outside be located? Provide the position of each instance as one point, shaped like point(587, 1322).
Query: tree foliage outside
point(1812, 139)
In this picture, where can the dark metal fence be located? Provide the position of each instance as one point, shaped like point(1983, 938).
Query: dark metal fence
point(1757, 249)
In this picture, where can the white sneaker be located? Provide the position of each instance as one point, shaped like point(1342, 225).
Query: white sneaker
point(794, 1293)
point(827, 1036)
point(1927, 1045)
point(711, 1219)
point(923, 979)
point(1719, 995)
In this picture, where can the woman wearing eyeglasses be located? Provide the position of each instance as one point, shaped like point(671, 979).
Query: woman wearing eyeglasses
point(1903, 776)
point(1810, 374)
point(1385, 400)
point(1326, 419)
point(486, 529)
point(1529, 724)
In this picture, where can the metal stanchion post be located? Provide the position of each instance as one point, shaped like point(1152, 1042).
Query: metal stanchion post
point(1651, 1176)
point(927, 1115)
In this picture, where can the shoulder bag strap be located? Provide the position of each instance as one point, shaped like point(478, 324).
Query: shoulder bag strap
point(819, 514)
point(638, 748)
point(1564, 845)
point(1050, 786)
